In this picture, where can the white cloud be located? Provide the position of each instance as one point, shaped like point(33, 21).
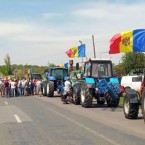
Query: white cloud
point(116, 11)
point(51, 15)
point(7, 28)
point(40, 40)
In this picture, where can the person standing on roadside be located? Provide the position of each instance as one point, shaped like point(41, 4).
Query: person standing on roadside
point(6, 88)
point(38, 86)
point(13, 88)
point(31, 88)
point(67, 90)
point(20, 87)
point(35, 87)
point(1, 87)
point(23, 87)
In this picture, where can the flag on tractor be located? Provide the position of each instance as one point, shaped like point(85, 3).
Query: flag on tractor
point(130, 41)
point(77, 51)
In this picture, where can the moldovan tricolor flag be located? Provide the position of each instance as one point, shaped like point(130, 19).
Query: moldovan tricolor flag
point(131, 41)
point(77, 51)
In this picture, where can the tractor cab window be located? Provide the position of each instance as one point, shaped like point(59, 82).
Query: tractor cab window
point(101, 69)
point(59, 73)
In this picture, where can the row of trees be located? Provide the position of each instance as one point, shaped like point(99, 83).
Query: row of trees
point(21, 70)
point(130, 61)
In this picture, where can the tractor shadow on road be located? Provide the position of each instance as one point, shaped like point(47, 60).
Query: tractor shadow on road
point(105, 107)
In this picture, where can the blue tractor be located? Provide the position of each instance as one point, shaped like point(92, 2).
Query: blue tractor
point(98, 83)
point(55, 81)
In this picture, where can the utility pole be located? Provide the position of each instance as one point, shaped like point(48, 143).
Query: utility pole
point(94, 46)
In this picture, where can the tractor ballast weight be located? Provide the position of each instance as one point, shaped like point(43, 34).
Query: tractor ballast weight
point(55, 81)
point(99, 83)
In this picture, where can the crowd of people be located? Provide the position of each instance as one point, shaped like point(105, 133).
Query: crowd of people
point(27, 87)
point(20, 87)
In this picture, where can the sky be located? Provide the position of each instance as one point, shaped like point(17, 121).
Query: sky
point(39, 32)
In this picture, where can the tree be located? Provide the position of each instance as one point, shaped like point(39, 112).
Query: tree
point(133, 61)
point(119, 69)
point(8, 64)
point(3, 70)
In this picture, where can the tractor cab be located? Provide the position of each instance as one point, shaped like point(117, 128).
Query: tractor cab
point(98, 69)
point(58, 73)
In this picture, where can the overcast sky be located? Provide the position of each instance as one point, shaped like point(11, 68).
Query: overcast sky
point(39, 32)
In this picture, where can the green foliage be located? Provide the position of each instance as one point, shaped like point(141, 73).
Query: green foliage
point(3, 70)
point(133, 61)
point(119, 70)
point(8, 64)
point(20, 70)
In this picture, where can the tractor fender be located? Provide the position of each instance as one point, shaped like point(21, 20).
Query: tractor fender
point(90, 82)
point(132, 95)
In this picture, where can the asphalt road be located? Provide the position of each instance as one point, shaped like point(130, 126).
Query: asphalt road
point(37, 120)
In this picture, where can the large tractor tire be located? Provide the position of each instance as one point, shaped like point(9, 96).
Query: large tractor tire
point(130, 109)
point(86, 96)
point(143, 103)
point(50, 89)
point(44, 90)
point(76, 93)
point(112, 101)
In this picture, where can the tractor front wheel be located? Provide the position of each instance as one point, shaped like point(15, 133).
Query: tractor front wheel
point(86, 96)
point(76, 93)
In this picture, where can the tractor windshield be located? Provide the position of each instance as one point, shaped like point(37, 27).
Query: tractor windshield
point(101, 69)
point(59, 73)
point(98, 69)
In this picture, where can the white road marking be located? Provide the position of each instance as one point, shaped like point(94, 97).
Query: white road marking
point(88, 129)
point(17, 118)
point(6, 102)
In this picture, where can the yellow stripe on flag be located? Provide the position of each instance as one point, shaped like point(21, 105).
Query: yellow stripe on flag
point(75, 52)
point(126, 44)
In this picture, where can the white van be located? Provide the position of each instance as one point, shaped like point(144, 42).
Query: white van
point(134, 82)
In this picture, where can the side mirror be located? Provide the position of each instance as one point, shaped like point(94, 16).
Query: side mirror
point(77, 66)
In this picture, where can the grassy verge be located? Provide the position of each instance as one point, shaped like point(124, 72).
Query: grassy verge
point(121, 101)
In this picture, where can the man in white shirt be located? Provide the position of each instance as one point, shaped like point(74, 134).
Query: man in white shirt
point(67, 89)
point(13, 88)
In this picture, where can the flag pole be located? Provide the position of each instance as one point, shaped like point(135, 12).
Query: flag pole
point(94, 46)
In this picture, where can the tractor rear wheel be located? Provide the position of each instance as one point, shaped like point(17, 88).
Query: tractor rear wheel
point(50, 89)
point(86, 96)
point(112, 101)
point(130, 109)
